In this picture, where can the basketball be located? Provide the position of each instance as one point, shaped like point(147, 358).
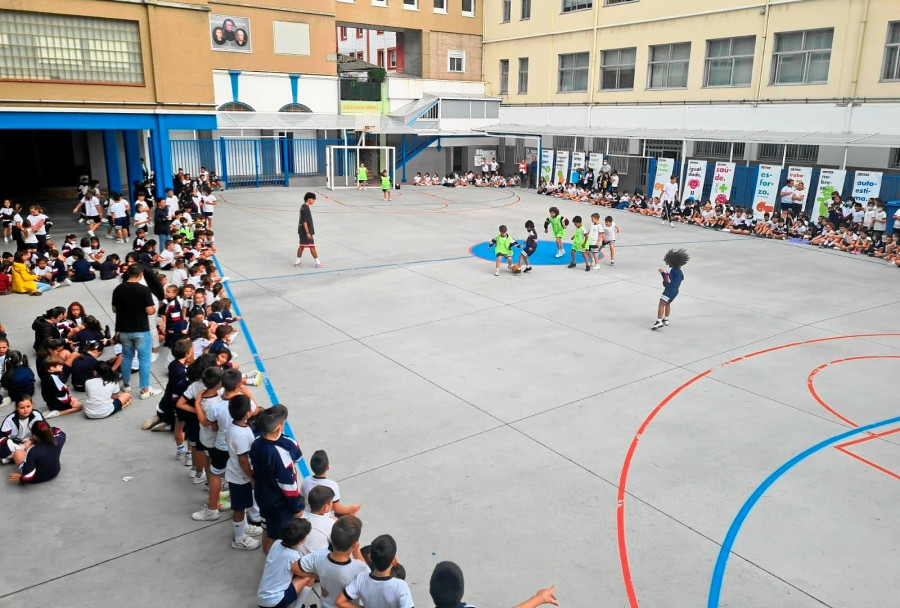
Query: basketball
point(515, 268)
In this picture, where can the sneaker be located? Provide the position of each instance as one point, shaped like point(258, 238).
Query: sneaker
point(247, 543)
point(666, 321)
point(321, 265)
point(200, 479)
point(298, 263)
point(527, 269)
point(67, 282)
point(9, 459)
point(150, 422)
point(155, 356)
point(572, 265)
point(497, 273)
point(5, 401)
point(672, 224)
point(180, 454)
point(51, 414)
point(224, 504)
point(663, 222)
point(252, 530)
point(126, 387)
point(91, 233)
point(161, 427)
point(150, 392)
point(188, 459)
point(560, 253)
point(110, 237)
point(612, 262)
point(656, 325)
point(255, 379)
point(81, 220)
point(205, 514)
point(587, 268)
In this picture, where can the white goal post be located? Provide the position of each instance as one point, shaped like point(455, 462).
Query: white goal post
point(342, 163)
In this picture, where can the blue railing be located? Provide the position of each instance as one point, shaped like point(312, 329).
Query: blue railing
point(255, 163)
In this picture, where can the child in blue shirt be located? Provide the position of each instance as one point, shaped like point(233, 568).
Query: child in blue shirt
point(674, 259)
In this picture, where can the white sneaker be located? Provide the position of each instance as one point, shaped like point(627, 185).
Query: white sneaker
point(672, 224)
point(81, 220)
point(612, 262)
point(154, 357)
point(321, 265)
point(205, 514)
point(225, 279)
point(255, 379)
point(150, 392)
point(108, 236)
point(200, 478)
point(189, 459)
point(497, 273)
point(180, 454)
point(91, 233)
point(51, 414)
point(252, 530)
point(656, 325)
point(247, 543)
point(559, 254)
point(666, 321)
point(6, 401)
point(161, 427)
point(298, 263)
point(9, 459)
point(67, 282)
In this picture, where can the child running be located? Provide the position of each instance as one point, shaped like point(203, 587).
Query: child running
point(580, 244)
point(504, 244)
point(674, 259)
point(610, 230)
point(559, 224)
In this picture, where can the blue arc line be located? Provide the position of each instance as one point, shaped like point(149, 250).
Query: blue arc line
point(715, 587)
point(270, 390)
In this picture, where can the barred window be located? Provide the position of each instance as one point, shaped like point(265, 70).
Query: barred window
point(894, 160)
point(795, 152)
point(43, 46)
point(720, 150)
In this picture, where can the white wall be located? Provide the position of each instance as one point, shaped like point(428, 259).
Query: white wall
point(268, 92)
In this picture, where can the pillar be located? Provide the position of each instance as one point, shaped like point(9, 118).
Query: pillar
point(132, 160)
point(111, 156)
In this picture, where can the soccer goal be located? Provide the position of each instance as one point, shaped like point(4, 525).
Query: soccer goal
point(342, 164)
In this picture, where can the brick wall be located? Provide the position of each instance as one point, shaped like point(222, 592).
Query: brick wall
point(440, 43)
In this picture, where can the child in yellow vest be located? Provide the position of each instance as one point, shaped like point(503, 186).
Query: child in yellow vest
point(362, 176)
point(504, 244)
point(386, 185)
point(580, 244)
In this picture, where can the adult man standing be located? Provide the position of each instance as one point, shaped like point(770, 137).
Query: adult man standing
point(132, 303)
point(532, 173)
point(788, 195)
point(307, 232)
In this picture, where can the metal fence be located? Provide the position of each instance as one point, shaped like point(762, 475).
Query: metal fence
point(254, 163)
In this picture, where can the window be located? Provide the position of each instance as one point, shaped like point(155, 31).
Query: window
point(795, 152)
point(891, 69)
point(720, 150)
point(576, 5)
point(294, 107)
point(456, 61)
point(381, 58)
point(468, 8)
point(617, 69)
point(43, 46)
point(440, 6)
point(523, 75)
point(412, 5)
point(663, 148)
point(729, 62)
point(359, 32)
point(615, 2)
point(526, 10)
point(342, 33)
point(235, 106)
point(573, 72)
point(379, 32)
point(379, 3)
point(802, 57)
point(507, 9)
point(669, 66)
point(392, 58)
point(894, 160)
point(504, 76)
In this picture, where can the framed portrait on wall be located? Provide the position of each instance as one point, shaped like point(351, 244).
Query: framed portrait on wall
point(228, 33)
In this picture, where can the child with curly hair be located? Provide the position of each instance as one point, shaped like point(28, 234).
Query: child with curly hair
point(672, 279)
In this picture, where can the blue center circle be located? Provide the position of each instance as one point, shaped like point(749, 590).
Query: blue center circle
point(545, 255)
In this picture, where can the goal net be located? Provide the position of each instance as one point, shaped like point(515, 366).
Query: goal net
point(342, 164)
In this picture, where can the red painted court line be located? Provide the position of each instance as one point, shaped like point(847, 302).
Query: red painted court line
point(626, 465)
point(810, 382)
point(844, 447)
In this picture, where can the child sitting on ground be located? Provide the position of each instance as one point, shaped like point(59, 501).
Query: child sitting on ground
point(320, 467)
point(337, 568)
point(55, 392)
point(380, 589)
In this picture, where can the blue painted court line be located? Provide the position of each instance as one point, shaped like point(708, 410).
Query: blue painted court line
point(715, 587)
point(301, 464)
point(334, 270)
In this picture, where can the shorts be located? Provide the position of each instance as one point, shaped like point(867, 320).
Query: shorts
point(208, 213)
point(191, 426)
point(121, 222)
point(529, 251)
point(241, 495)
point(275, 523)
point(7, 223)
point(117, 406)
point(594, 248)
point(92, 218)
point(559, 235)
point(288, 599)
point(605, 243)
point(307, 241)
point(217, 460)
point(668, 295)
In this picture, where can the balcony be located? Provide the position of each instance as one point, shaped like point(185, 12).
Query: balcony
point(360, 90)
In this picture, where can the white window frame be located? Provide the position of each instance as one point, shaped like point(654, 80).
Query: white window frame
point(519, 89)
point(618, 68)
point(443, 9)
point(411, 7)
point(381, 3)
point(889, 48)
point(618, 2)
point(461, 55)
point(732, 57)
point(580, 5)
point(806, 53)
point(470, 13)
point(668, 63)
point(559, 73)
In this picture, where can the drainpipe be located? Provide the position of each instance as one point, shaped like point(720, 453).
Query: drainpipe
point(765, 40)
point(593, 67)
point(854, 84)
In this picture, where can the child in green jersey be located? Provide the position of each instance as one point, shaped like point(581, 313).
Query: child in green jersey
point(559, 224)
point(386, 185)
point(362, 177)
point(580, 244)
point(504, 244)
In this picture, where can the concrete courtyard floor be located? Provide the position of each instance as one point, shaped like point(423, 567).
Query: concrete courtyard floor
point(531, 428)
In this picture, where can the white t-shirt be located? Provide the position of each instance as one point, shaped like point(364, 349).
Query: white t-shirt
point(34, 219)
point(91, 206)
point(238, 439)
point(209, 203)
point(141, 218)
point(670, 191)
point(172, 204)
point(333, 576)
point(179, 276)
point(880, 219)
point(319, 536)
point(614, 181)
point(378, 592)
point(594, 233)
point(99, 400)
point(277, 574)
point(118, 209)
point(787, 195)
point(166, 257)
point(310, 482)
point(609, 232)
point(216, 410)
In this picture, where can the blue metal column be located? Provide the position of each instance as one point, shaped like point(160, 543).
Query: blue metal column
point(162, 151)
point(111, 156)
point(132, 160)
point(256, 159)
point(223, 152)
point(284, 162)
point(403, 155)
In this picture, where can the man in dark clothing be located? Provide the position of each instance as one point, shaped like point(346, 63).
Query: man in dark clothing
point(532, 173)
point(132, 303)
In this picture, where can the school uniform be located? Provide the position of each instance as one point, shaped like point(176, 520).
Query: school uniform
point(15, 431)
point(333, 576)
point(379, 591)
point(276, 488)
point(671, 282)
point(42, 460)
point(213, 441)
point(55, 393)
point(275, 588)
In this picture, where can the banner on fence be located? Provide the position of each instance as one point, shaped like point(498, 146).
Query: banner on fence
point(595, 161)
point(802, 177)
point(722, 180)
point(694, 180)
point(577, 160)
point(830, 180)
point(547, 165)
point(562, 166)
point(664, 168)
point(866, 185)
point(766, 193)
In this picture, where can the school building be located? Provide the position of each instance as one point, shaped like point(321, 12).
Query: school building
point(810, 82)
